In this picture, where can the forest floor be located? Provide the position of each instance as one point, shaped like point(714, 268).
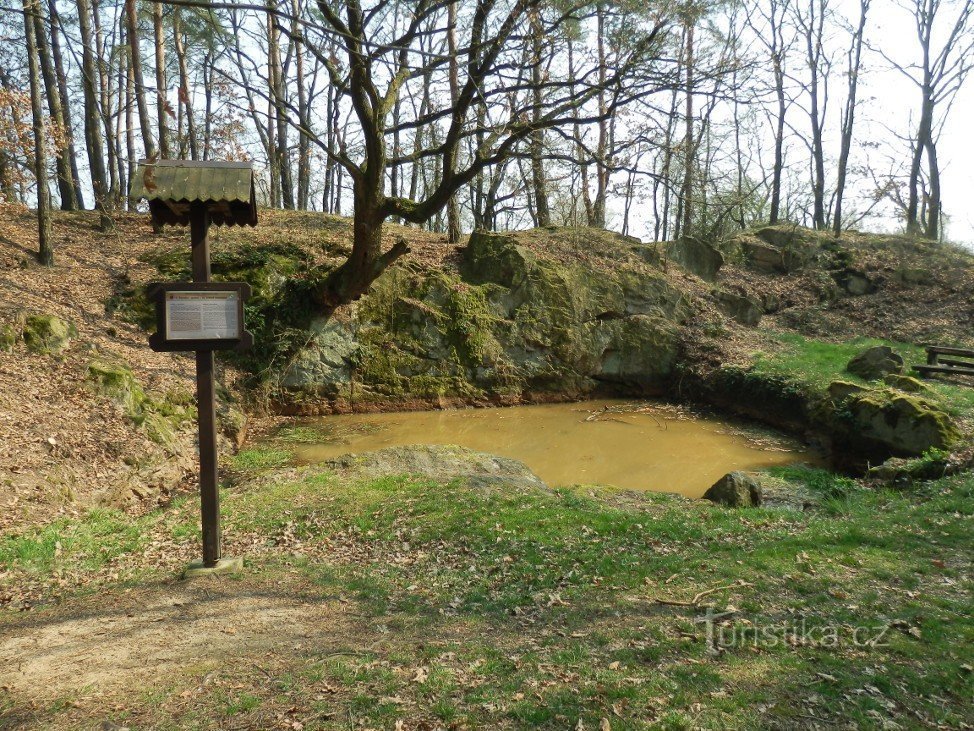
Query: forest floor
point(410, 603)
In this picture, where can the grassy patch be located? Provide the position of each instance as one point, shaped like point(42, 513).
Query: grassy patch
point(262, 458)
point(502, 608)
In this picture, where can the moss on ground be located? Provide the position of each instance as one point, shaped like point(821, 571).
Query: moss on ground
point(160, 415)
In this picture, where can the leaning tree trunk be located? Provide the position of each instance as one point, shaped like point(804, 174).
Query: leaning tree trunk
point(45, 253)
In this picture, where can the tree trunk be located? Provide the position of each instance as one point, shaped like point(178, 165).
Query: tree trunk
point(105, 94)
point(65, 182)
point(282, 160)
point(354, 277)
point(924, 131)
point(45, 253)
point(93, 136)
point(62, 85)
point(813, 46)
point(932, 227)
point(539, 183)
point(688, 139)
point(598, 219)
point(849, 116)
point(162, 105)
point(304, 115)
point(185, 98)
point(135, 56)
point(453, 206)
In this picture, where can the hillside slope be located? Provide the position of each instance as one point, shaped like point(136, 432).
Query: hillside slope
point(544, 314)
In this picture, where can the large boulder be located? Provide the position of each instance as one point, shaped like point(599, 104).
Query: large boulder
point(496, 257)
point(696, 256)
point(854, 282)
point(875, 362)
point(904, 424)
point(735, 490)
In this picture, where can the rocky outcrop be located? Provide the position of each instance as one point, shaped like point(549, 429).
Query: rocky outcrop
point(735, 490)
point(696, 256)
point(875, 362)
point(744, 309)
point(508, 324)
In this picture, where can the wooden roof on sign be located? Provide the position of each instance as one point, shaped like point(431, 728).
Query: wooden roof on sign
point(172, 186)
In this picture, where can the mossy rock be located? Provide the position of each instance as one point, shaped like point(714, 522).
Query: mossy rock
point(9, 337)
point(696, 256)
point(742, 308)
point(905, 383)
point(116, 380)
point(493, 257)
point(160, 417)
point(906, 424)
point(47, 334)
point(841, 390)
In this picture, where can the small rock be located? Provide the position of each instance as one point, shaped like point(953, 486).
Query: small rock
point(854, 282)
point(875, 362)
point(735, 490)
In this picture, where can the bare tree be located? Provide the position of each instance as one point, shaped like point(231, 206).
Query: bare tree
point(45, 252)
point(938, 75)
point(854, 63)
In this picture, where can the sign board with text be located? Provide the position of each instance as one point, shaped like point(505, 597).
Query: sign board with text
point(199, 316)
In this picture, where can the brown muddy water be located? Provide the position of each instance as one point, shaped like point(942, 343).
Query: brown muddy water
point(637, 446)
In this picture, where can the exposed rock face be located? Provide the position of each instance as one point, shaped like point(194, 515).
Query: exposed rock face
point(841, 390)
point(854, 282)
point(696, 256)
point(875, 362)
point(746, 310)
point(511, 323)
point(762, 256)
point(735, 490)
point(444, 463)
point(907, 425)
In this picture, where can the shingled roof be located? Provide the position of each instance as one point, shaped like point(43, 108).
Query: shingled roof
point(170, 186)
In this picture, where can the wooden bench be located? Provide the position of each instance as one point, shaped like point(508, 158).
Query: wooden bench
point(951, 364)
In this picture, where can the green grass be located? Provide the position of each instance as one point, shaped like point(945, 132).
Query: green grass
point(814, 364)
point(494, 608)
point(262, 458)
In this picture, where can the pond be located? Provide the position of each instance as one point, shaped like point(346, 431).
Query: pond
point(637, 446)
